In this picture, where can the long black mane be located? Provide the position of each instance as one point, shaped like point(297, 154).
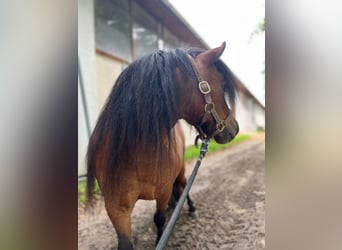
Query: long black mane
point(141, 109)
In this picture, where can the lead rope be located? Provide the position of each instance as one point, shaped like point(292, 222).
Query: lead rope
point(169, 228)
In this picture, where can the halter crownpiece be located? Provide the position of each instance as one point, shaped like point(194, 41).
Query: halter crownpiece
point(209, 108)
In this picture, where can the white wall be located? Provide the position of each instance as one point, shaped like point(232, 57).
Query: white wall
point(242, 112)
point(249, 114)
point(259, 117)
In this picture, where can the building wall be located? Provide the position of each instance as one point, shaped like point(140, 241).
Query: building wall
point(259, 115)
point(243, 112)
point(82, 135)
point(249, 113)
point(107, 71)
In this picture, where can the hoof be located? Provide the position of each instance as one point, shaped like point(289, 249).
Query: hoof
point(193, 214)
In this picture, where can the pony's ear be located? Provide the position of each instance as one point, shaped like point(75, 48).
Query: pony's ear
point(212, 55)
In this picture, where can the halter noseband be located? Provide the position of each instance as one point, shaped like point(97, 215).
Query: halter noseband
point(209, 108)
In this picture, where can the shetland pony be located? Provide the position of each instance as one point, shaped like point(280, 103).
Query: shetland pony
point(136, 150)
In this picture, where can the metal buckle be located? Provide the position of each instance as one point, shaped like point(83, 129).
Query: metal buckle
point(204, 87)
point(209, 106)
point(220, 126)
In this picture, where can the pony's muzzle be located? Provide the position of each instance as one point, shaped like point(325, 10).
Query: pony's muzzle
point(229, 132)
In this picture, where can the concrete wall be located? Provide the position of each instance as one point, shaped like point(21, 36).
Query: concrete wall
point(259, 115)
point(249, 113)
point(107, 71)
point(242, 111)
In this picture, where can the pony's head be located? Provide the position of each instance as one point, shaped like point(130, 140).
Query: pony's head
point(210, 104)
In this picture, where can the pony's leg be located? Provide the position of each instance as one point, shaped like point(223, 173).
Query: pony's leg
point(179, 186)
point(160, 214)
point(121, 219)
point(192, 209)
point(173, 201)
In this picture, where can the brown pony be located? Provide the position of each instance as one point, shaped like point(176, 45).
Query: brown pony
point(136, 149)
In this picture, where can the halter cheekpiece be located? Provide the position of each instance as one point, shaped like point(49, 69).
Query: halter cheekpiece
point(209, 108)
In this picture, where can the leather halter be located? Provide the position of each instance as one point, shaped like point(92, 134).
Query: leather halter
point(209, 108)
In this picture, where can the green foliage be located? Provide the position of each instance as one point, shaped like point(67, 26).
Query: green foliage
point(258, 30)
point(261, 25)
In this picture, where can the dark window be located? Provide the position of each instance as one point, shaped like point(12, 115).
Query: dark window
point(112, 27)
point(170, 40)
point(144, 32)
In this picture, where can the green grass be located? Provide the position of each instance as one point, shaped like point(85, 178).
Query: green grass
point(190, 153)
point(82, 191)
point(260, 130)
point(193, 152)
point(82, 187)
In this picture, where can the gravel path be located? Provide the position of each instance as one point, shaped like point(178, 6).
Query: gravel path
point(229, 194)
